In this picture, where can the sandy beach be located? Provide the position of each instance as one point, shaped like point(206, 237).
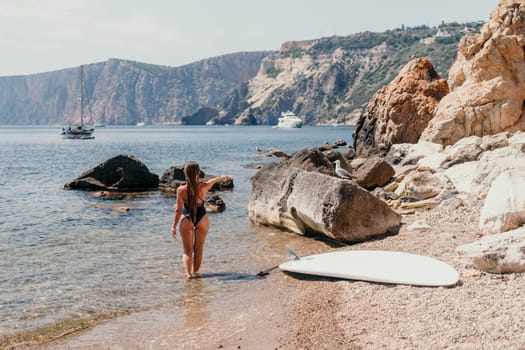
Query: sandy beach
point(293, 312)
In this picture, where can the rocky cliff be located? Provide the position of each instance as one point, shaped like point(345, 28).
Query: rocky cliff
point(124, 92)
point(327, 80)
point(330, 80)
point(487, 80)
point(399, 112)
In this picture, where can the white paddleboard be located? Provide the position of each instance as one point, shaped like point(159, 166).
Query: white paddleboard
point(376, 266)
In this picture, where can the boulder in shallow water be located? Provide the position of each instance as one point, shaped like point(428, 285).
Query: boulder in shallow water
point(120, 173)
point(309, 203)
point(215, 204)
point(173, 177)
point(311, 159)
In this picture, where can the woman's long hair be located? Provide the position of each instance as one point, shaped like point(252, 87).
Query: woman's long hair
point(192, 173)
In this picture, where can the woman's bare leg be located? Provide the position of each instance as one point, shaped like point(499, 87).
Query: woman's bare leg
point(201, 231)
point(186, 234)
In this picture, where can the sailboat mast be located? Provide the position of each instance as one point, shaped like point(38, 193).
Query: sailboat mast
point(82, 95)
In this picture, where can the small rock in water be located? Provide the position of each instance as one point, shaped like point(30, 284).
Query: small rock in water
point(215, 204)
point(340, 142)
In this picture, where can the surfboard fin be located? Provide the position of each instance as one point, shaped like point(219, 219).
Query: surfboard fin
point(292, 253)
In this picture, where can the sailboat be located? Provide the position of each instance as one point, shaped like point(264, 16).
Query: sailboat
point(79, 131)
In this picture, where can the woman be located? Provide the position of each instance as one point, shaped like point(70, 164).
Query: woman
point(194, 224)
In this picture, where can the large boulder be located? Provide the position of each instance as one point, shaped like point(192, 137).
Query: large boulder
point(372, 172)
point(314, 159)
point(499, 253)
point(404, 154)
point(465, 150)
point(471, 164)
point(311, 159)
point(120, 173)
point(487, 80)
point(173, 177)
point(309, 202)
point(400, 111)
point(462, 177)
point(420, 185)
point(476, 177)
point(504, 207)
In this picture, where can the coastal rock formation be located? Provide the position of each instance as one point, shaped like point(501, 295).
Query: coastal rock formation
point(470, 166)
point(372, 172)
point(313, 160)
point(123, 92)
point(174, 177)
point(475, 177)
point(487, 81)
point(400, 111)
point(215, 204)
point(201, 117)
point(120, 173)
point(326, 80)
point(504, 207)
point(484, 172)
point(404, 154)
point(246, 118)
point(282, 197)
point(465, 150)
point(330, 80)
point(420, 185)
point(499, 253)
point(308, 202)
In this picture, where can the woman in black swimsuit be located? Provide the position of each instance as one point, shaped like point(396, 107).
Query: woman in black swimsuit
point(194, 224)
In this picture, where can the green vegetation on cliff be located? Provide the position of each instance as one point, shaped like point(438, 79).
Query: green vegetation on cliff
point(322, 80)
point(371, 60)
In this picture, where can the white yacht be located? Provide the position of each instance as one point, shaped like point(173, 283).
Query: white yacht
point(289, 120)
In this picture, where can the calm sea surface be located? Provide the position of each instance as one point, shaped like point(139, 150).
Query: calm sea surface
point(68, 256)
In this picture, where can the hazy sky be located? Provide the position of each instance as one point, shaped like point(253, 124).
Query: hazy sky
point(44, 35)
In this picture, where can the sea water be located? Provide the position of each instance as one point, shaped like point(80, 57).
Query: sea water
point(68, 256)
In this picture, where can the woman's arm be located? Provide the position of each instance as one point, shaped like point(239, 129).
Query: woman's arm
point(209, 184)
point(178, 212)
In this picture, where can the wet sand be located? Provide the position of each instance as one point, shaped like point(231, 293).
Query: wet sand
point(249, 319)
point(212, 327)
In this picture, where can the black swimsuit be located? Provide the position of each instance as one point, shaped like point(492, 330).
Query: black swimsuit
point(201, 211)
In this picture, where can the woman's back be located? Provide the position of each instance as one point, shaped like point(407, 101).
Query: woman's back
point(201, 193)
